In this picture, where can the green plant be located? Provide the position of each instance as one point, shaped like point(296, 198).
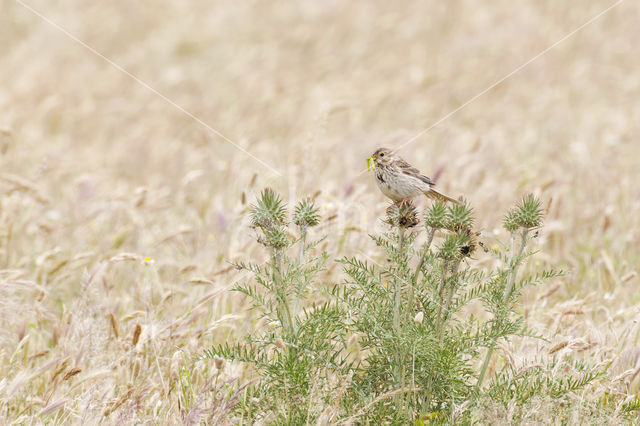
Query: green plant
point(298, 354)
point(423, 345)
point(423, 326)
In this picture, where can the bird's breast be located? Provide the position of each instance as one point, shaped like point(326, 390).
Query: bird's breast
point(396, 185)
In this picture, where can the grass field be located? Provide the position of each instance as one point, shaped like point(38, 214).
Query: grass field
point(121, 205)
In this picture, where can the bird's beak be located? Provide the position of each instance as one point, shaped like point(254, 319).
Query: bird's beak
point(371, 163)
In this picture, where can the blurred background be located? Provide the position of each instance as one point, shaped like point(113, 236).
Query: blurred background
point(111, 116)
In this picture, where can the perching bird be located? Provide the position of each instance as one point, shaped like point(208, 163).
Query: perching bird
point(400, 181)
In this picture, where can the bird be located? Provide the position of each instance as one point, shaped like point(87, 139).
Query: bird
point(400, 181)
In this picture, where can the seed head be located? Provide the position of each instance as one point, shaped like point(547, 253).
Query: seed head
point(219, 362)
point(458, 245)
point(276, 237)
point(459, 217)
point(269, 210)
point(402, 215)
point(436, 215)
point(306, 214)
point(526, 214)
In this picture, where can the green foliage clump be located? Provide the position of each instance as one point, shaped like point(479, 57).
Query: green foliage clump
point(297, 353)
point(397, 342)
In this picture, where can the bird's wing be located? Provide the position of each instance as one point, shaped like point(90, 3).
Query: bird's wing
point(412, 171)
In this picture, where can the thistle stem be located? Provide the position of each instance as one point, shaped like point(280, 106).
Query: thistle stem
point(514, 264)
point(451, 290)
point(303, 242)
point(397, 315)
point(443, 283)
point(425, 252)
point(398, 285)
point(283, 310)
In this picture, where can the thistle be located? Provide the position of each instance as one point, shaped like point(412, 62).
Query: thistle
point(527, 214)
point(276, 237)
point(268, 211)
point(306, 214)
point(298, 349)
point(436, 216)
point(459, 217)
point(402, 215)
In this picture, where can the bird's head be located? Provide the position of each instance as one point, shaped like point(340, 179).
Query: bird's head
point(382, 156)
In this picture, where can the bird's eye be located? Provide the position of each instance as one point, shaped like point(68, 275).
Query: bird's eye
point(382, 155)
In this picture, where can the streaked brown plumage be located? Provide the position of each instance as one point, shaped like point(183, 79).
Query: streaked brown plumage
point(400, 181)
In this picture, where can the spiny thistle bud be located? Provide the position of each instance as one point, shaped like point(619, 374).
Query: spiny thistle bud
point(402, 215)
point(459, 218)
point(456, 246)
point(306, 214)
point(470, 242)
point(276, 237)
point(269, 210)
point(530, 212)
point(527, 214)
point(510, 221)
point(436, 215)
point(450, 248)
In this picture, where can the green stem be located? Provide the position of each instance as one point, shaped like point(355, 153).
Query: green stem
point(425, 252)
point(443, 283)
point(303, 241)
point(284, 313)
point(398, 285)
point(451, 290)
point(400, 365)
point(514, 264)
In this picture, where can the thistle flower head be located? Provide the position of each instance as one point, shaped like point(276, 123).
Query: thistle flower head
point(306, 214)
point(269, 210)
point(526, 214)
point(510, 221)
point(459, 217)
point(276, 237)
point(436, 215)
point(456, 246)
point(402, 215)
point(469, 242)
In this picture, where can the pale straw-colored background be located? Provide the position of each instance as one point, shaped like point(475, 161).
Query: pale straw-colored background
point(98, 172)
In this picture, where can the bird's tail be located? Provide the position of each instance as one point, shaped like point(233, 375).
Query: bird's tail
point(435, 195)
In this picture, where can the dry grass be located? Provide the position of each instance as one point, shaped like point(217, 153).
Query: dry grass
point(97, 173)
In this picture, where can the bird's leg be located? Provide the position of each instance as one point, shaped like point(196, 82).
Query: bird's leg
point(399, 204)
point(406, 202)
